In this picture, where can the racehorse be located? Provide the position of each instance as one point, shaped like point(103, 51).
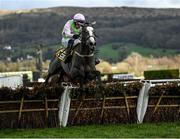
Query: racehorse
point(81, 69)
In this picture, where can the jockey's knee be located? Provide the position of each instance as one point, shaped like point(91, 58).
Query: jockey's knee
point(70, 43)
point(73, 42)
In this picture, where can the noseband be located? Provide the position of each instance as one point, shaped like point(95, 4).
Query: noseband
point(90, 37)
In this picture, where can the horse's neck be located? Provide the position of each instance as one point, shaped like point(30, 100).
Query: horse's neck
point(77, 59)
point(81, 49)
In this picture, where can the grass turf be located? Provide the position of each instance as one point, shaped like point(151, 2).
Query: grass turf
point(145, 130)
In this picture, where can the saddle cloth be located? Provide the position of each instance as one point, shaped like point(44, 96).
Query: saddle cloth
point(61, 54)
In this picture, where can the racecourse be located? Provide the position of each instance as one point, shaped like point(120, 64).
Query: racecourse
point(145, 130)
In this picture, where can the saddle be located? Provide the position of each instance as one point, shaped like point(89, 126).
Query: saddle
point(61, 54)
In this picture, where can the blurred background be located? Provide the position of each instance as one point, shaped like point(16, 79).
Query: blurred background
point(134, 35)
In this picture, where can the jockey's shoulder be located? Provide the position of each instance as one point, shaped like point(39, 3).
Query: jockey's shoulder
point(68, 22)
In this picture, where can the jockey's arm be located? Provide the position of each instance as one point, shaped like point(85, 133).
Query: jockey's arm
point(67, 31)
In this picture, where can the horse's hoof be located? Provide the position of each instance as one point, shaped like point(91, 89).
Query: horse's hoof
point(97, 61)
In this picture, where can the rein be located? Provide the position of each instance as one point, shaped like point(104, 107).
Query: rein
point(89, 55)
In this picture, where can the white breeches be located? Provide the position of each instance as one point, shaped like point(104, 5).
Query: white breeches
point(65, 41)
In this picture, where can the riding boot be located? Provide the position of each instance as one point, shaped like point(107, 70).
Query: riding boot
point(97, 61)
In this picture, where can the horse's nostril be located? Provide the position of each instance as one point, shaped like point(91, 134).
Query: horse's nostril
point(92, 49)
point(91, 43)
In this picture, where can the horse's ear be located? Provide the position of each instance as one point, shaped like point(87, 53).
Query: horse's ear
point(82, 24)
point(86, 24)
point(93, 23)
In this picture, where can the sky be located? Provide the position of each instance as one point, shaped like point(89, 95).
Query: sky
point(30, 4)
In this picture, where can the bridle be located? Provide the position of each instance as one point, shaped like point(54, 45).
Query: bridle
point(90, 37)
point(89, 55)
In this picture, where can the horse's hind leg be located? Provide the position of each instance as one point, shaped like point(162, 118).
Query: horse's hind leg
point(47, 79)
point(54, 67)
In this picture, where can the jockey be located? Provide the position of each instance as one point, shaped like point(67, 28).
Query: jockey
point(71, 32)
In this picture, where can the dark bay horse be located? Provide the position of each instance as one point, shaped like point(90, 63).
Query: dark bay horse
point(82, 67)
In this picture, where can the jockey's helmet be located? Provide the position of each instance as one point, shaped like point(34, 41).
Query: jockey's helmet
point(79, 18)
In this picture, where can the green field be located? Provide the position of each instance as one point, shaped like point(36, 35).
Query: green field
point(118, 51)
point(146, 130)
point(112, 52)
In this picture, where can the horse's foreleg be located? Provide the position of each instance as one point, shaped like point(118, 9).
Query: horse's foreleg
point(100, 92)
point(78, 75)
point(97, 77)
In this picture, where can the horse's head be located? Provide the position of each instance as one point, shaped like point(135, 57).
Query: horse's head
point(88, 39)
